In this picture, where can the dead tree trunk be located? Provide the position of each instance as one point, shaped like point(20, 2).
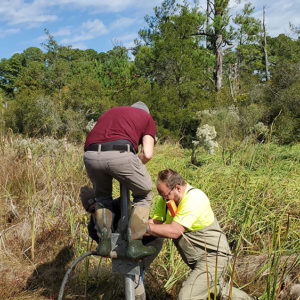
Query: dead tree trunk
point(233, 80)
point(219, 62)
point(265, 48)
point(207, 23)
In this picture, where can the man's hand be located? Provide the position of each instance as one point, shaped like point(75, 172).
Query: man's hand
point(151, 221)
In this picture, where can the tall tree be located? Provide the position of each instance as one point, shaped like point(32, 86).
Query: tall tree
point(174, 54)
point(9, 72)
point(116, 70)
point(246, 57)
point(171, 55)
point(58, 62)
point(32, 76)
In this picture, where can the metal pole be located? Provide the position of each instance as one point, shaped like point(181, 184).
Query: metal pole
point(129, 279)
point(124, 210)
point(129, 286)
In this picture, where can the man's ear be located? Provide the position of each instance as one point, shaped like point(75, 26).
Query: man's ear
point(177, 187)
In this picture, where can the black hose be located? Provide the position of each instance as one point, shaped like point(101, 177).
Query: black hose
point(62, 287)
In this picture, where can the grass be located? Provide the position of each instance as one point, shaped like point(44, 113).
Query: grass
point(43, 226)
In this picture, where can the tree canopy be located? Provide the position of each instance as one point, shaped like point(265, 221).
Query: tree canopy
point(185, 60)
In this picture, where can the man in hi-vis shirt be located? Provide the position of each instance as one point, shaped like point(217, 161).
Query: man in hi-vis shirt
point(197, 235)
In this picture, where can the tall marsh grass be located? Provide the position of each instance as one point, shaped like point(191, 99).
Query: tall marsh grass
point(43, 226)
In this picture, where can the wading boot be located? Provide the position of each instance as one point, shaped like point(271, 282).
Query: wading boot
point(137, 228)
point(104, 220)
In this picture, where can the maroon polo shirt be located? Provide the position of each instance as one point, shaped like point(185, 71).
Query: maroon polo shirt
point(122, 122)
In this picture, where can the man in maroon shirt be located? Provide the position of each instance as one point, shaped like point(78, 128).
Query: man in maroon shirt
point(110, 152)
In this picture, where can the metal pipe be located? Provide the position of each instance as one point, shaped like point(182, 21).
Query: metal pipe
point(124, 210)
point(129, 279)
point(129, 286)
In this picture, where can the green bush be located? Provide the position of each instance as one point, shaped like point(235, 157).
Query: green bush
point(287, 129)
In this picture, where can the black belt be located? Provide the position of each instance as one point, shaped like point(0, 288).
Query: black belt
point(105, 147)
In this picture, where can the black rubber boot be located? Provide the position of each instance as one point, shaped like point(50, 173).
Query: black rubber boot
point(136, 249)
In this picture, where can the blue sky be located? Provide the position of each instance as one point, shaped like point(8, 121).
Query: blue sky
point(102, 24)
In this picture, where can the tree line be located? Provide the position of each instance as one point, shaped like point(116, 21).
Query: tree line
point(186, 60)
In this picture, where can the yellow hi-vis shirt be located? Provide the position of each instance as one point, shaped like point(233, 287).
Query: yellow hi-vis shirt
point(194, 211)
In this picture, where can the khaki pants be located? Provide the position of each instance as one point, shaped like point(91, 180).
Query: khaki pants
point(195, 286)
point(126, 167)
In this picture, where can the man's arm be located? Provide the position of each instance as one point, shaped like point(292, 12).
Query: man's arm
point(147, 149)
point(171, 231)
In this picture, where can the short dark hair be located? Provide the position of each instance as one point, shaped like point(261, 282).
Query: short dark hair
point(171, 178)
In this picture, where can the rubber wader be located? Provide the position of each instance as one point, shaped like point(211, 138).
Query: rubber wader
point(104, 220)
point(137, 228)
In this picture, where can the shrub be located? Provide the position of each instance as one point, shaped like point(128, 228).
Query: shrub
point(287, 129)
point(205, 137)
point(227, 122)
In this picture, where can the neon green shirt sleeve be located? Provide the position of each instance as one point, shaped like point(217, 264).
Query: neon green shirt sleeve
point(161, 213)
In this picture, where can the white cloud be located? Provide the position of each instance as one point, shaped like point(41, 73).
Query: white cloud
point(127, 37)
point(88, 30)
point(107, 5)
point(94, 26)
point(14, 12)
point(122, 23)
point(21, 11)
point(128, 44)
point(278, 14)
point(63, 31)
point(32, 13)
point(41, 39)
point(92, 29)
point(126, 40)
